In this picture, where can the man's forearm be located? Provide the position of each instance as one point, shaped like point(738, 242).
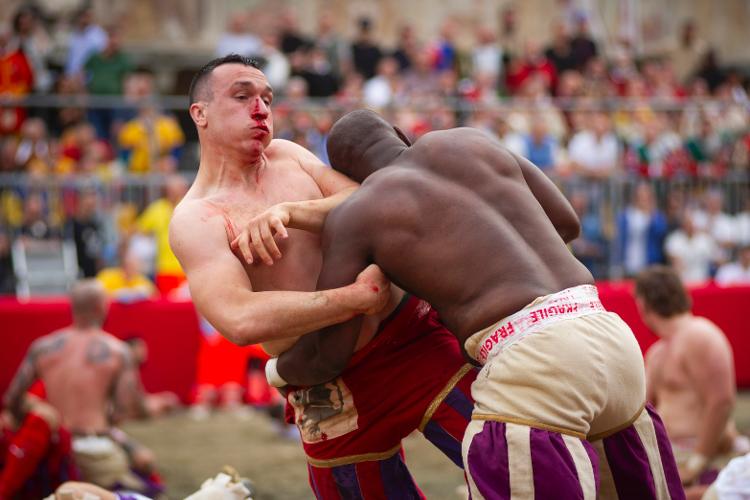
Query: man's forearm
point(267, 316)
point(310, 215)
point(320, 356)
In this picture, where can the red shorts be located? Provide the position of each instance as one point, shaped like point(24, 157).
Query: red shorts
point(394, 385)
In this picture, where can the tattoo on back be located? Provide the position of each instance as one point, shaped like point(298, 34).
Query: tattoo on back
point(98, 351)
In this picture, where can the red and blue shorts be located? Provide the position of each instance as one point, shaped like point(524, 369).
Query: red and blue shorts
point(411, 376)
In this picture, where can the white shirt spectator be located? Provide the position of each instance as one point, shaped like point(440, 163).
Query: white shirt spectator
point(635, 250)
point(594, 154)
point(720, 226)
point(487, 59)
point(82, 45)
point(692, 255)
point(742, 228)
point(733, 274)
point(377, 92)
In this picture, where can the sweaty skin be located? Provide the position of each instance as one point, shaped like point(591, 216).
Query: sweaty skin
point(690, 380)
point(456, 220)
point(246, 184)
point(84, 370)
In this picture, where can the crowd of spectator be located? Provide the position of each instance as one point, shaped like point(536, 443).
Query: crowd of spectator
point(584, 112)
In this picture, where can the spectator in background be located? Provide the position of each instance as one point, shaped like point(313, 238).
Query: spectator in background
point(641, 230)
point(151, 140)
point(742, 224)
point(594, 152)
point(7, 273)
point(333, 46)
point(292, 38)
point(420, 80)
point(443, 50)
point(534, 63)
point(237, 39)
point(540, 147)
point(379, 90)
point(582, 46)
point(16, 81)
point(658, 145)
point(86, 39)
point(558, 51)
point(155, 221)
point(36, 225)
point(487, 55)
point(87, 233)
point(366, 53)
point(710, 71)
point(737, 272)
point(714, 221)
point(591, 246)
point(691, 252)
point(35, 45)
point(690, 51)
point(105, 73)
point(34, 153)
point(406, 47)
point(274, 63)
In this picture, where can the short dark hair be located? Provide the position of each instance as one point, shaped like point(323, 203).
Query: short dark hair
point(662, 291)
point(201, 77)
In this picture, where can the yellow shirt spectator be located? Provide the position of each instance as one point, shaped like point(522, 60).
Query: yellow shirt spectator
point(155, 220)
point(148, 139)
point(122, 286)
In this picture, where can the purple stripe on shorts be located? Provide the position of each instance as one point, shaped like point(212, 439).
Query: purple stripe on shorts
point(594, 459)
point(457, 400)
point(629, 464)
point(347, 482)
point(397, 481)
point(668, 463)
point(554, 470)
point(444, 442)
point(313, 483)
point(488, 461)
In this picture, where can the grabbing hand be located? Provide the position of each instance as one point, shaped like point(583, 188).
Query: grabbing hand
point(260, 232)
point(375, 287)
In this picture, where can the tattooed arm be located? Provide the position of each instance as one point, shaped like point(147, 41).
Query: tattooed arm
point(129, 397)
point(15, 400)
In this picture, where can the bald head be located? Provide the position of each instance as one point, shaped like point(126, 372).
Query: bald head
point(89, 303)
point(362, 142)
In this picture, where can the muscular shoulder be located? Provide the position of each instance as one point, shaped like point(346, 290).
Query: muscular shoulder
point(197, 227)
point(655, 354)
point(283, 149)
point(702, 333)
point(49, 343)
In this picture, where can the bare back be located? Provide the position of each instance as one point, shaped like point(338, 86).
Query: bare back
point(678, 368)
point(80, 371)
point(476, 259)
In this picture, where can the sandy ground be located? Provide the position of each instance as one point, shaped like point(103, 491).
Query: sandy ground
point(190, 451)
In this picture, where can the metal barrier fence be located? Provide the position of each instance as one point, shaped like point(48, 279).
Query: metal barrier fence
point(603, 200)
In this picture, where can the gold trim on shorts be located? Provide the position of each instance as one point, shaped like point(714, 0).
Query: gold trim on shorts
point(441, 396)
point(354, 459)
point(615, 430)
point(528, 423)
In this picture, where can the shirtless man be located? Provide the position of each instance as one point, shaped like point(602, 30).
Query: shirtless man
point(563, 380)
point(270, 197)
point(689, 377)
point(84, 370)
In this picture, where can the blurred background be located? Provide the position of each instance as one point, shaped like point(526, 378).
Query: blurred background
point(638, 110)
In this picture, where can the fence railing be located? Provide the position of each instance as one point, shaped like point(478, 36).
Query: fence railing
point(599, 201)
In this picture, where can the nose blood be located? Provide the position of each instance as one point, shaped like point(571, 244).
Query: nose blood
point(375, 289)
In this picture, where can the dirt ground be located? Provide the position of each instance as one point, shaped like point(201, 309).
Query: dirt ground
point(189, 451)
